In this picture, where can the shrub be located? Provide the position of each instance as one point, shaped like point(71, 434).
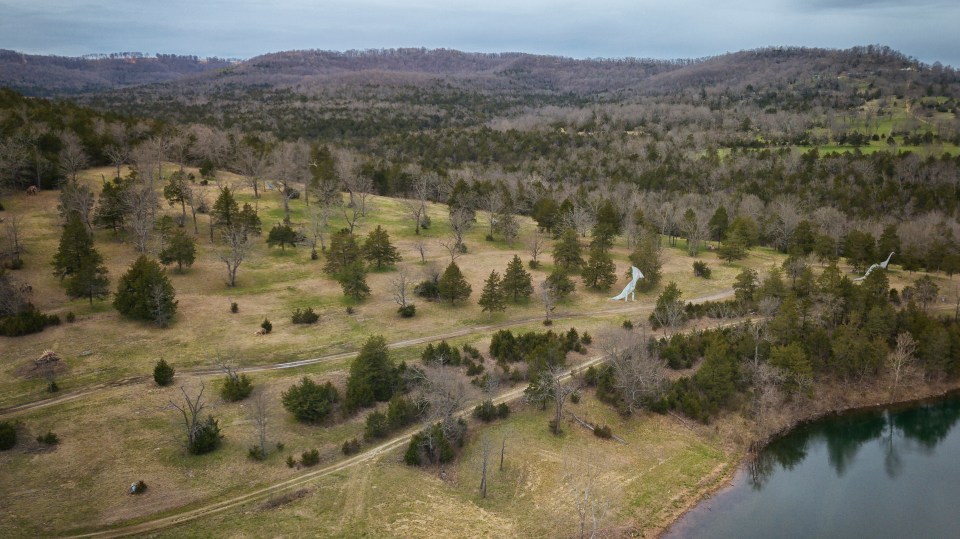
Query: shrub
point(163, 373)
point(575, 397)
point(627, 324)
point(266, 326)
point(351, 447)
point(474, 369)
point(310, 458)
point(487, 411)
point(236, 387)
point(489, 237)
point(207, 438)
point(53, 387)
point(428, 290)
point(402, 412)
point(701, 269)
point(408, 310)
point(604, 432)
point(377, 426)
point(15, 264)
point(534, 264)
point(8, 435)
point(586, 338)
point(443, 351)
point(254, 452)
point(306, 316)
point(472, 352)
point(291, 462)
point(350, 310)
point(27, 322)
point(234, 308)
point(279, 446)
point(71, 318)
point(548, 322)
point(309, 401)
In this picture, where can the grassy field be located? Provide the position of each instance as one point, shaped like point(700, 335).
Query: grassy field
point(127, 431)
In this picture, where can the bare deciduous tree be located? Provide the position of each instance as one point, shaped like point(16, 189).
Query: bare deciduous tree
point(260, 421)
point(190, 410)
point(580, 218)
point(484, 460)
point(421, 247)
point(461, 221)
point(159, 296)
point(233, 251)
point(140, 200)
point(548, 295)
point(73, 158)
point(319, 215)
point(14, 234)
point(639, 374)
point(900, 358)
point(400, 285)
point(537, 245)
point(590, 504)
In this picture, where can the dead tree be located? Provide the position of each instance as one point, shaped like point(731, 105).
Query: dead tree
point(14, 238)
point(233, 251)
point(140, 201)
point(400, 285)
point(589, 504)
point(73, 158)
point(461, 221)
point(260, 421)
point(484, 460)
point(900, 358)
point(537, 245)
point(421, 247)
point(191, 409)
point(640, 375)
point(548, 295)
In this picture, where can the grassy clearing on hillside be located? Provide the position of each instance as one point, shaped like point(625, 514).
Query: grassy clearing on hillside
point(644, 481)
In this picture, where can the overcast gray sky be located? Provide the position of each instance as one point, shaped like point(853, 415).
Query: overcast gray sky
point(925, 29)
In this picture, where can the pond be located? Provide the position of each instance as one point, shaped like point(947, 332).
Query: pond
point(891, 472)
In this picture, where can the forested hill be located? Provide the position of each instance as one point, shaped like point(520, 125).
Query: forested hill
point(58, 75)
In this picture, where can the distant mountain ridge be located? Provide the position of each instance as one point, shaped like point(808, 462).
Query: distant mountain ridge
point(39, 75)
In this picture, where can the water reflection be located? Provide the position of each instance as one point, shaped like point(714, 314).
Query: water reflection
point(924, 425)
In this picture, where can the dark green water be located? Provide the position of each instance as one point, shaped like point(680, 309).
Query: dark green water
point(885, 473)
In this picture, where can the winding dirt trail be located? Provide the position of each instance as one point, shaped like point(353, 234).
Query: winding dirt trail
point(212, 508)
point(90, 390)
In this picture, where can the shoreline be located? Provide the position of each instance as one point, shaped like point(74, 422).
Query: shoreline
point(744, 452)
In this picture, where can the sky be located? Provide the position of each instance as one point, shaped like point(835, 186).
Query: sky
point(663, 29)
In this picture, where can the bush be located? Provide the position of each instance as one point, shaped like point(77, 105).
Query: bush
point(402, 412)
point(604, 432)
point(425, 222)
point(291, 462)
point(487, 411)
point(71, 318)
point(53, 387)
point(254, 452)
point(266, 326)
point(236, 387)
point(443, 351)
point(351, 447)
point(474, 369)
point(701, 269)
point(428, 290)
point(575, 397)
point(627, 324)
point(309, 401)
point(472, 352)
point(310, 458)
point(377, 426)
point(548, 322)
point(534, 264)
point(163, 373)
point(207, 438)
point(489, 237)
point(15, 264)
point(306, 316)
point(234, 308)
point(8, 435)
point(27, 322)
point(408, 310)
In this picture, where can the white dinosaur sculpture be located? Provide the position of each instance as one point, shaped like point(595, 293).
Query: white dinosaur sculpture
point(882, 265)
point(629, 289)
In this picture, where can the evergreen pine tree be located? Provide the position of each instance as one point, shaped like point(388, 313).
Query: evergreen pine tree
point(90, 278)
point(353, 280)
point(145, 292)
point(281, 234)
point(373, 377)
point(566, 252)
point(181, 248)
point(343, 252)
point(493, 298)
point(378, 250)
point(453, 286)
point(647, 258)
point(600, 271)
point(226, 211)
point(76, 242)
point(516, 282)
